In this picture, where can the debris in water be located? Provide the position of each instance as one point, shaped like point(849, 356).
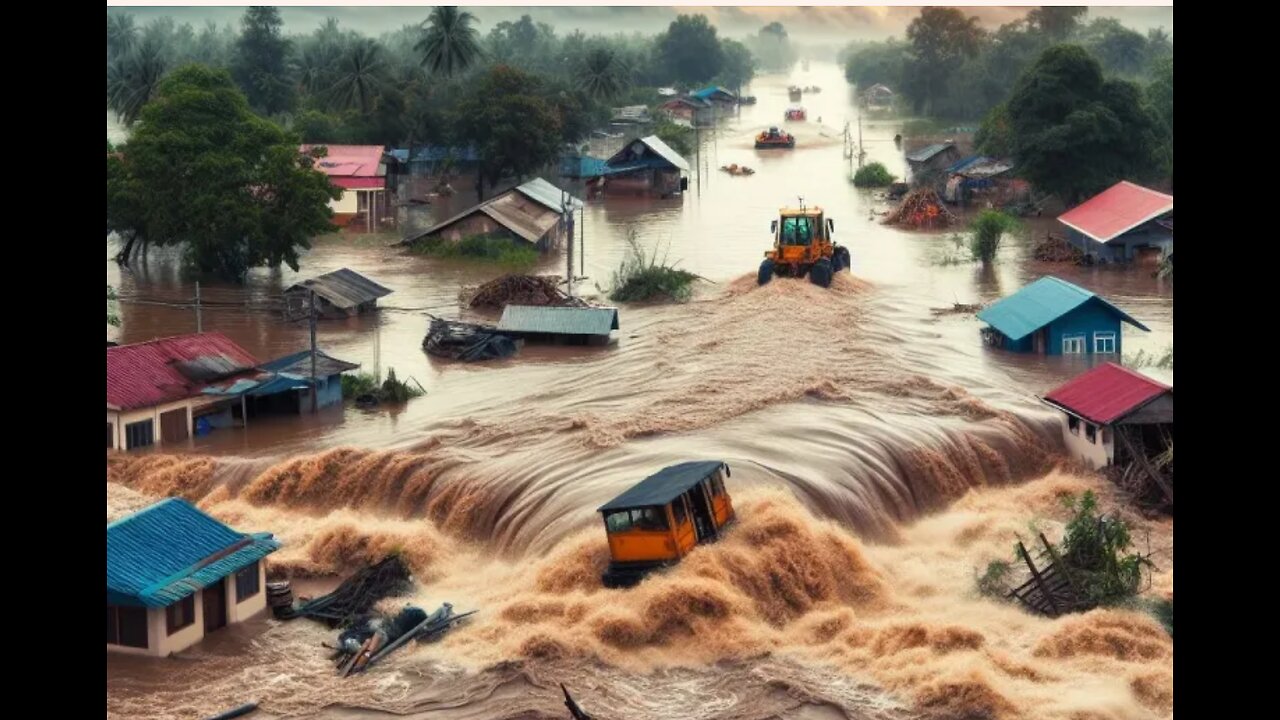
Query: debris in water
point(1055, 248)
point(373, 639)
point(921, 208)
point(236, 712)
point(957, 309)
point(467, 341)
point(575, 712)
point(357, 595)
point(521, 290)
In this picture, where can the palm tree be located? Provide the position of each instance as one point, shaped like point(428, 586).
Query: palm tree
point(603, 74)
point(121, 34)
point(314, 67)
point(361, 74)
point(132, 80)
point(449, 44)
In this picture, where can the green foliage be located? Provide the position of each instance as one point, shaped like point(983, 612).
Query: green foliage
point(941, 39)
point(1056, 23)
point(397, 391)
point(449, 44)
point(689, 50)
point(772, 48)
point(1163, 610)
point(391, 390)
point(604, 74)
point(1094, 550)
point(1072, 132)
point(1142, 359)
point(679, 137)
point(112, 318)
point(261, 63)
point(640, 278)
point(359, 77)
point(882, 62)
point(133, 78)
point(506, 114)
point(994, 583)
point(1160, 95)
point(739, 65)
point(356, 384)
point(498, 249)
point(994, 137)
point(203, 172)
point(873, 175)
point(988, 228)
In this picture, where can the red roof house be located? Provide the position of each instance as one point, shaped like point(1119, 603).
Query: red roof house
point(362, 174)
point(1122, 218)
point(1096, 402)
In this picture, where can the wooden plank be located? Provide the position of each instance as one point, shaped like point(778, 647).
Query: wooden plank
point(1035, 573)
point(1141, 459)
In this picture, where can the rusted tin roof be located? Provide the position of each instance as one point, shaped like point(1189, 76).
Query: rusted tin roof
point(342, 288)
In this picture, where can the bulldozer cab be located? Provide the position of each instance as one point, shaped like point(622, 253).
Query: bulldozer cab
point(801, 244)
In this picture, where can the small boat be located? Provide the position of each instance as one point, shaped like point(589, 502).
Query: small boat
point(796, 114)
point(794, 92)
point(775, 138)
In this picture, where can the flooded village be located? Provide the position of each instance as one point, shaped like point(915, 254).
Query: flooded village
point(639, 363)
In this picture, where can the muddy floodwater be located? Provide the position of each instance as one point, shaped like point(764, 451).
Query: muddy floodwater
point(881, 457)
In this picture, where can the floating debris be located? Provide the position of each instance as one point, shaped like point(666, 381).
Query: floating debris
point(467, 341)
point(1055, 248)
point(921, 208)
point(521, 290)
point(357, 595)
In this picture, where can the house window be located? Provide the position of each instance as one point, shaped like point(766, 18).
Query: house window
point(1091, 433)
point(1073, 345)
point(1104, 343)
point(1106, 435)
point(127, 626)
point(1073, 424)
point(180, 614)
point(139, 434)
point(247, 583)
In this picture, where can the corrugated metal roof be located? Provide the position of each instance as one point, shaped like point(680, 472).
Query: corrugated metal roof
point(710, 92)
point(630, 114)
point(166, 552)
point(664, 486)
point(1106, 393)
point(151, 373)
point(1039, 304)
point(928, 151)
point(436, 153)
point(359, 183)
point(659, 148)
point(299, 364)
point(693, 102)
point(558, 320)
point(523, 210)
point(581, 166)
point(343, 288)
point(1117, 210)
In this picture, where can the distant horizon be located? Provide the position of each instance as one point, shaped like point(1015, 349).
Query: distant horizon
point(833, 25)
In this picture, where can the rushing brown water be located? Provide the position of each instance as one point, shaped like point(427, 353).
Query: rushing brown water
point(875, 449)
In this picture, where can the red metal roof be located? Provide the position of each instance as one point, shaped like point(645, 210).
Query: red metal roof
point(358, 183)
point(146, 374)
point(349, 160)
point(1106, 393)
point(1117, 210)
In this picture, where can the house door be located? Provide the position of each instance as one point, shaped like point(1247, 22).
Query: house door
point(173, 426)
point(1147, 256)
point(215, 606)
point(1038, 341)
point(111, 436)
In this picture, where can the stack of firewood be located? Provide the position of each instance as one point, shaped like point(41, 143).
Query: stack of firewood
point(1054, 248)
point(519, 290)
point(921, 208)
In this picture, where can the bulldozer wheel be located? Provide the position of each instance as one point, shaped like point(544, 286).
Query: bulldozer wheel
point(840, 259)
point(766, 272)
point(820, 274)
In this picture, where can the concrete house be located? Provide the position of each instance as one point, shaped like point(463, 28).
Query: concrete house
point(1125, 223)
point(1110, 412)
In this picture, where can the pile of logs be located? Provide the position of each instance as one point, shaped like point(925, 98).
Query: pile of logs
point(520, 290)
point(1055, 248)
point(366, 643)
point(357, 595)
point(466, 341)
point(921, 208)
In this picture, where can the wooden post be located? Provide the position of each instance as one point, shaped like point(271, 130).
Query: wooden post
point(1040, 583)
point(314, 391)
point(199, 320)
point(244, 412)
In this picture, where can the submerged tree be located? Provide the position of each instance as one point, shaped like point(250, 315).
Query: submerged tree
point(989, 228)
point(112, 318)
point(449, 44)
point(1072, 132)
point(260, 66)
point(201, 171)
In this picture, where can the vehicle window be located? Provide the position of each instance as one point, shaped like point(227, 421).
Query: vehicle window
point(649, 518)
point(717, 483)
point(678, 510)
point(618, 521)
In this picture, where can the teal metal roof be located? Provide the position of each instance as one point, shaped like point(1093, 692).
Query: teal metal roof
point(549, 195)
point(1039, 304)
point(166, 552)
point(558, 320)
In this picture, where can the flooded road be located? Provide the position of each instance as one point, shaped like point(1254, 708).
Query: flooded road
point(877, 449)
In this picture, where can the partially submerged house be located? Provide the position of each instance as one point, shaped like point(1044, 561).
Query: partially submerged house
point(716, 94)
point(571, 325)
point(284, 385)
point(174, 575)
point(876, 96)
point(1112, 415)
point(647, 166)
point(360, 171)
point(155, 389)
point(536, 212)
point(932, 160)
point(1054, 317)
point(341, 293)
point(630, 115)
point(1125, 223)
point(979, 177)
point(694, 110)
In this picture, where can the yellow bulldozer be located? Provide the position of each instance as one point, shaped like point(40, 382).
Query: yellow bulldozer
point(802, 246)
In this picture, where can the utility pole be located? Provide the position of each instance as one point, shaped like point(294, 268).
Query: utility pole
point(861, 153)
point(582, 243)
point(568, 211)
point(199, 320)
point(312, 296)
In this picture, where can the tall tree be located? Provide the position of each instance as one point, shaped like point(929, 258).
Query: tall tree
point(1074, 133)
point(449, 43)
point(1055, 22)
point(773, 47)
point(203, 172)
point(132, 80)
point(360, 76)
point(513, 127)
point(260, 67)
point(739, 65)
point(689, 50)
point(602, 74)
point(941, 39)
point(1160, 95)
point(1120, 50)
point(122, 33)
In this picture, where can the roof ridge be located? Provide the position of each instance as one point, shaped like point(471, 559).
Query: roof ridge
point(1140, 376)
point(152, 341)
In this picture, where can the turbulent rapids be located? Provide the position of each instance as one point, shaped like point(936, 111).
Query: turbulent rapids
point(869, 495)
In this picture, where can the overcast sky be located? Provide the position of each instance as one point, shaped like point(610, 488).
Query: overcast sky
point(829, 24)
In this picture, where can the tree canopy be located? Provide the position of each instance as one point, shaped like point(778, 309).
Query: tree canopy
point(512, 124)
point(689, 51)
point(261, 64)
point(203, 172)
point(941, 39)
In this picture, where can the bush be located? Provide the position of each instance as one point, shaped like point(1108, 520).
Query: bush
point(354, 385)
point(994, 582)
point(391, 390)
point(1093, 549)
point(873, 175)
point(679, 137)
point(1142, 358)
point(497, 249)
point(988, 228)
point(639, 278)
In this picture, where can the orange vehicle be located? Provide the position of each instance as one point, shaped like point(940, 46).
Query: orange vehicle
point(802, 246)
point(796, 114)
point(663, 517)
point(775, 138)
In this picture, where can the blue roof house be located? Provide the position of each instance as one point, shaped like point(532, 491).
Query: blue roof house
point(175, 574)
point(1053, 317)
point(647, 166)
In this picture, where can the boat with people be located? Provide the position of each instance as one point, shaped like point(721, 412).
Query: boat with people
point(795, 113)
point(775, 138)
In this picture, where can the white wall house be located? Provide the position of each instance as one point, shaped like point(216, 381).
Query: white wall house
point(1108, 399)
point(174, 574)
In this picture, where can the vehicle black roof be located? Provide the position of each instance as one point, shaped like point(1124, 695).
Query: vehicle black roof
point(665, 485)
